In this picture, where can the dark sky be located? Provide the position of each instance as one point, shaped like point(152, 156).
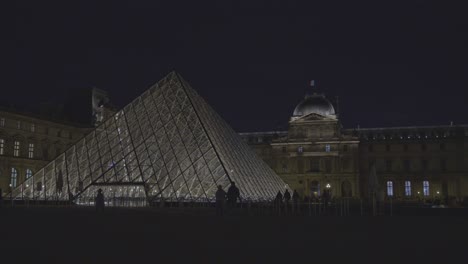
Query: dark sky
point(390, 64)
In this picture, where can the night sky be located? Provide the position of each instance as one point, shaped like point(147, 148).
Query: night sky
point(390, 65)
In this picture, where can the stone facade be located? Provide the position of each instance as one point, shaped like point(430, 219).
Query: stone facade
point(28, 143)
point(316, 153)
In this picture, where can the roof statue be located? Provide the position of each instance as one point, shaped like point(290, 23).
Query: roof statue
point(167, 144)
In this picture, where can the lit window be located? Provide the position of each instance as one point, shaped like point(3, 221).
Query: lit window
point(33, 127)
point(327, 148)
point(2, 146)
point(300, 149)
point(31, 150)
point(407, 188)
point(2, 122)
point(16, 149)
point(18, 124)
point(390, 188)
point(426, 188)
point(28, 173)
point(14, 177)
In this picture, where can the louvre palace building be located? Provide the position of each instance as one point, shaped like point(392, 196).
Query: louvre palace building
point(169, 144)
point(405, 163)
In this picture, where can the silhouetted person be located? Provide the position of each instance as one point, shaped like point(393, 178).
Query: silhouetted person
point(220, 200)
point(278, 199)
point(100, 201)
point(295, 198)
point(287, 196)
point(232, 195)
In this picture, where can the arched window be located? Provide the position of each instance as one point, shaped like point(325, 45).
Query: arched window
point(28, 173)
point(14, 178)
point(426, 188)
point(407, 188)
point(389, 188)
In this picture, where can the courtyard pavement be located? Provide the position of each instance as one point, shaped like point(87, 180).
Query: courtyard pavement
point(186, 235)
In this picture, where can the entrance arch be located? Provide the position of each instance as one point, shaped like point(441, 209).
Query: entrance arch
point(314, 189)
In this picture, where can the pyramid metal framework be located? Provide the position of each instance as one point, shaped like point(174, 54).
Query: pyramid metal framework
point(168, 144)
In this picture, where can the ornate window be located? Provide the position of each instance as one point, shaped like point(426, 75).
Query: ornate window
point(443, 164)
point(16, 150)
point(283, 149)
point(406, 165)
point(14, 178)
point(407, 188)
point(389, 188)
point(426, 188)
point(388, 165)
point(424, 165)
point(31, 150)
point(327, 148)
point(28, 173)
point(314, 165)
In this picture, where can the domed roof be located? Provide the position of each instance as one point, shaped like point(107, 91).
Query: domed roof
point(315, 103)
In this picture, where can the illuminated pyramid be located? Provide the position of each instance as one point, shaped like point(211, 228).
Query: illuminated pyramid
point(167, 144)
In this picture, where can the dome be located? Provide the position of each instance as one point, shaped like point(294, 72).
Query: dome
point(317, 104)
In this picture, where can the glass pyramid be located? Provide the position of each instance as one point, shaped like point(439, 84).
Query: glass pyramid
point(168, 144)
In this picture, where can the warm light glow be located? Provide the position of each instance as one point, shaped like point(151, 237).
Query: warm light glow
point(437, 192)
point(328, 186)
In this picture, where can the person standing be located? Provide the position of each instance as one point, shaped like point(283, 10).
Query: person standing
point(295, 198)
point(220, 200)
point(99, 201)
point(287, 197)
point(232, 195)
